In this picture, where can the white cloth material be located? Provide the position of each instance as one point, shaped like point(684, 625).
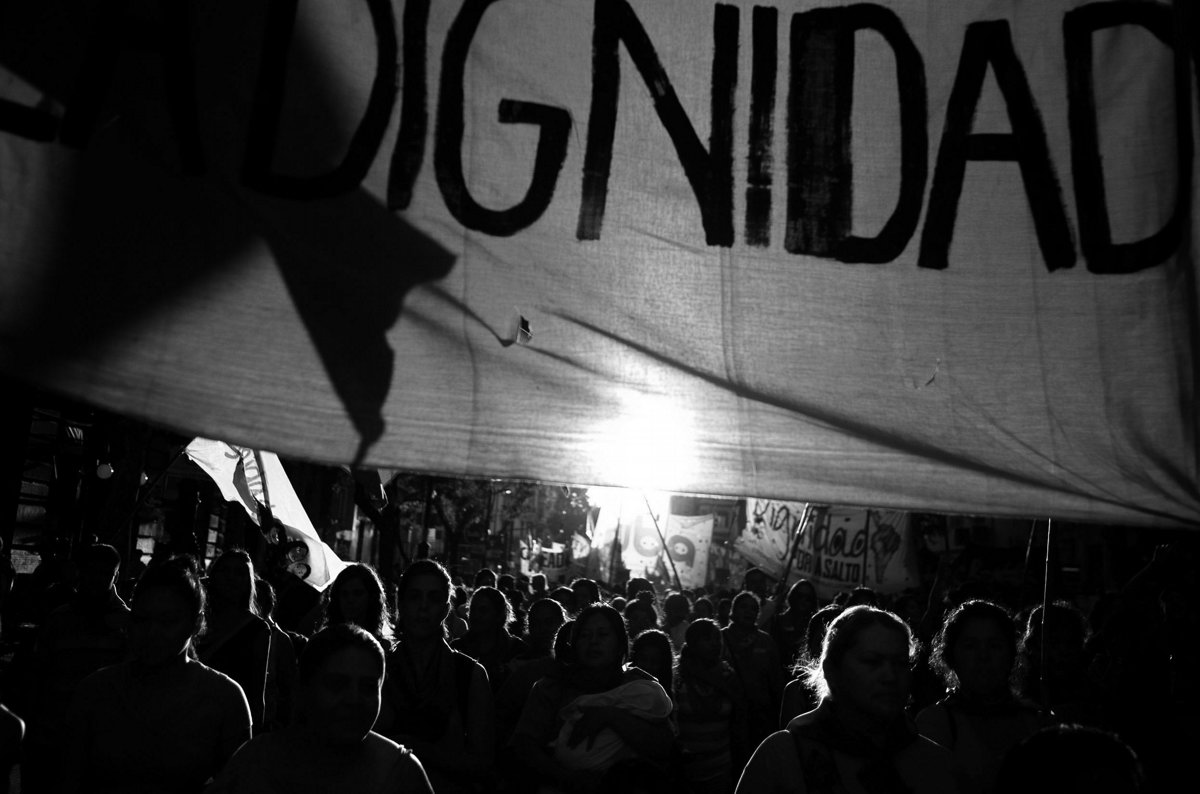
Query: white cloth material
point(588, 243)
point(249, 477)
point(644, 699)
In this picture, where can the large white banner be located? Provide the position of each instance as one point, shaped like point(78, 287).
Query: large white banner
point(909, 254)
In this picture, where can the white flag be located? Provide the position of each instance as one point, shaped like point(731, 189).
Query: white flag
point(249, 477)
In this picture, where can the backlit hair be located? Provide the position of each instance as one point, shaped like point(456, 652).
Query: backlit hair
point(606, 613)
point(941, 658)
point(177, 576)
point(332, 639)
point(378, 621)
point(423, 567)
point(841, 635)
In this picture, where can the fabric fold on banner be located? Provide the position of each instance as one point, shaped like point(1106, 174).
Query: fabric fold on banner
point(249, 477)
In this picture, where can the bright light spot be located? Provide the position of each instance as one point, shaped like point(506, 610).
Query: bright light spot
point(648, 447)
point(630, 502)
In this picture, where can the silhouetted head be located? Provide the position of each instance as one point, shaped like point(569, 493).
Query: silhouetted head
point(167, 609)
point(586, 592)
point(231, 581)
point(98, 565)
point(489, 611)
point(357, 596)
point(486, 577)
point(423, 600)
point(865, 664)
point(542, 622)
point(651, 651)
point(976, 648)
point(341, 675)
point(802, 597)
point(599, 639)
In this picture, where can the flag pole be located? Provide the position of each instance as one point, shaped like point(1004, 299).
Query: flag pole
point(663, 540)
point(867, 548)
point(265, 509)
point(1043, 679)
point(787, 569)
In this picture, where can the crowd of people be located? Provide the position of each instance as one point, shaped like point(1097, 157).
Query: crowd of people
point(187, 683)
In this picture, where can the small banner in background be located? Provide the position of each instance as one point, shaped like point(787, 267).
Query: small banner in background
point(838, 548)
point(250, 478)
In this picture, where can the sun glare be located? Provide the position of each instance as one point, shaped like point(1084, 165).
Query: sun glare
point(648, 447)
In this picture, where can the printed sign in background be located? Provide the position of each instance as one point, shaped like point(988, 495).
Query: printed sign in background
point(906, 254)
point(687, 542)
point(837, 549)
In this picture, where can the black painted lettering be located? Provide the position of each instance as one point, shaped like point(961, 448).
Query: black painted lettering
point(1095, 231)
point(409, 151)
point(555, 124)
point(710, 172)
point(759, 161)
point(820, 173)
point(263, 132)
point(990, 43)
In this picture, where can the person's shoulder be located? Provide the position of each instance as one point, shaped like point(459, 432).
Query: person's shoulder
point(464, 661)
point(406, 772)
point(928, 766)
point(261, 749)
point(105, 679)
point(776, 751)
point(379, 743)
point(928, 750)
point(548, 687)
point(117, 605)
point(213, 681)
point(251, 766)
point(802, 720)
point(383, 751)
point(98, 691)
point(632, 673)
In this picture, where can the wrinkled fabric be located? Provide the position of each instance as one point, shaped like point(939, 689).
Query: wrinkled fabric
point(911, 255)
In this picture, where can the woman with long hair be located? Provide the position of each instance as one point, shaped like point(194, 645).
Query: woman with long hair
point(710, 711)
point(981, 718)
point(599, 714)
point(357, 596)
point(789, 628)
point(237, 641)
point(488, 640)
point(1062, 687)
point(160, 721)
point(652, 652)
point(859, 738)
point(798, 695)
point(437, 701)
point(331, 746)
